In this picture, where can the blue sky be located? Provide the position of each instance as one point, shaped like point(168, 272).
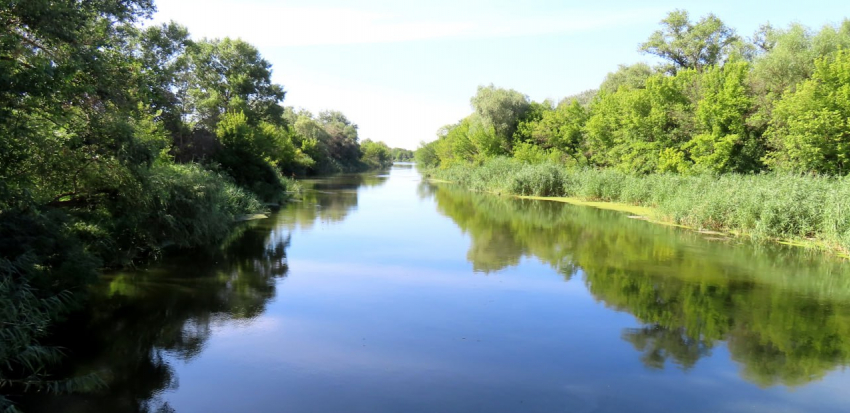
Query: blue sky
point(401, 70)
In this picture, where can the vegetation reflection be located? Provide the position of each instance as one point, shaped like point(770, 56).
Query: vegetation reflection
point(326, 200)
point(138, 320)
point(784, 313)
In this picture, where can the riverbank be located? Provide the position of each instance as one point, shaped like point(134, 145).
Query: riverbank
point(807, 211)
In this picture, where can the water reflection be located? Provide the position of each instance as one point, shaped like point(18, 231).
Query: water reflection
point(138, 320)
point(328, 200)
point(379, 310)
point(138, 323)
point(782, 313)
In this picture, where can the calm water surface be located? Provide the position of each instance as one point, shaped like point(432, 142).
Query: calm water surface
point(383, 293)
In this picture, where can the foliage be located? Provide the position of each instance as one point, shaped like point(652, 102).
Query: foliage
point(562, 130)
point(498, 113)
point(249, 155)
point(402, 155)
point(327, 143)
point(688, 45)
point(724, 142)
point(810, 130)
point(720, 105)
point(631, 77)
point(376, 154)
point(426, 155)
point(41, 262)
point(119, 141)
point(767, 206)
point(628, 129)
point(230, 75)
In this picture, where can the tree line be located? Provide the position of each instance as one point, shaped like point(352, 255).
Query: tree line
point(718, 102)
point(117, 140)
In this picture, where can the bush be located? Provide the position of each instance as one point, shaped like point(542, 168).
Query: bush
point(41, 263)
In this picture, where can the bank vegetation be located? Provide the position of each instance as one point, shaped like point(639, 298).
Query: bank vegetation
point(724, 133)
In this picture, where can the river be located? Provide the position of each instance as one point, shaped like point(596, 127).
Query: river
point(384, 293)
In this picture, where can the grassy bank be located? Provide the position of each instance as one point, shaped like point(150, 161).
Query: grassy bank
point(50, 254)
point(811, 210)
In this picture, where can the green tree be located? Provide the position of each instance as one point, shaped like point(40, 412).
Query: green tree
point(401, 154)
point(787, 59)
point(688, 45)
point(376, 154)
point(499, 112)
point(164, 63)
point(810, 129)
point(643, 130)
point(249, 154)
point(526, 123)
point(724, 142)
point(426, 155)
point(629, 76)
point(231, 75)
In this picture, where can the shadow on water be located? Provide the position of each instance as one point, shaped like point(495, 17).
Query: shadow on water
point(783, 313)
point(138, 323)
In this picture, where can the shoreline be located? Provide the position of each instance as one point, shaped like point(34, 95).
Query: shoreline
point(651, 215)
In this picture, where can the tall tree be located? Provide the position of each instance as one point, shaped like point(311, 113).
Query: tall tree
point(501, 110)
point(231, 75)
point(691, 45)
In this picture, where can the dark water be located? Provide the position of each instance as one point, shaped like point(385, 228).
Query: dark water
point(387, 294)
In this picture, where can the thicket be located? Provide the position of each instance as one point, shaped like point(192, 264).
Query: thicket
point(731, 133)
point(117, 141)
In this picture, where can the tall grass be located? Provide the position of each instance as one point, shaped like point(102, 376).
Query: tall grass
point(765, 206)
point(49, 255)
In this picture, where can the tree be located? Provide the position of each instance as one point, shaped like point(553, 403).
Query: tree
point(376, 154)
point(231, 75)
point(499, 110)
point(643, 130)
point(342, 139)
point(401, 154)
point(810, 129)
point(723, 141)
point(426, 154)
point(563, 129)
point(525, 125)
point(249, 154)
point(788, 59)
point(687, 45)
point(632, 77)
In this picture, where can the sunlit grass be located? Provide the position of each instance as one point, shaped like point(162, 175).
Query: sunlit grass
point(809, 208)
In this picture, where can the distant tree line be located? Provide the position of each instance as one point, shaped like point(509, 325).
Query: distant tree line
point(402, 155)
point(718, 103)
